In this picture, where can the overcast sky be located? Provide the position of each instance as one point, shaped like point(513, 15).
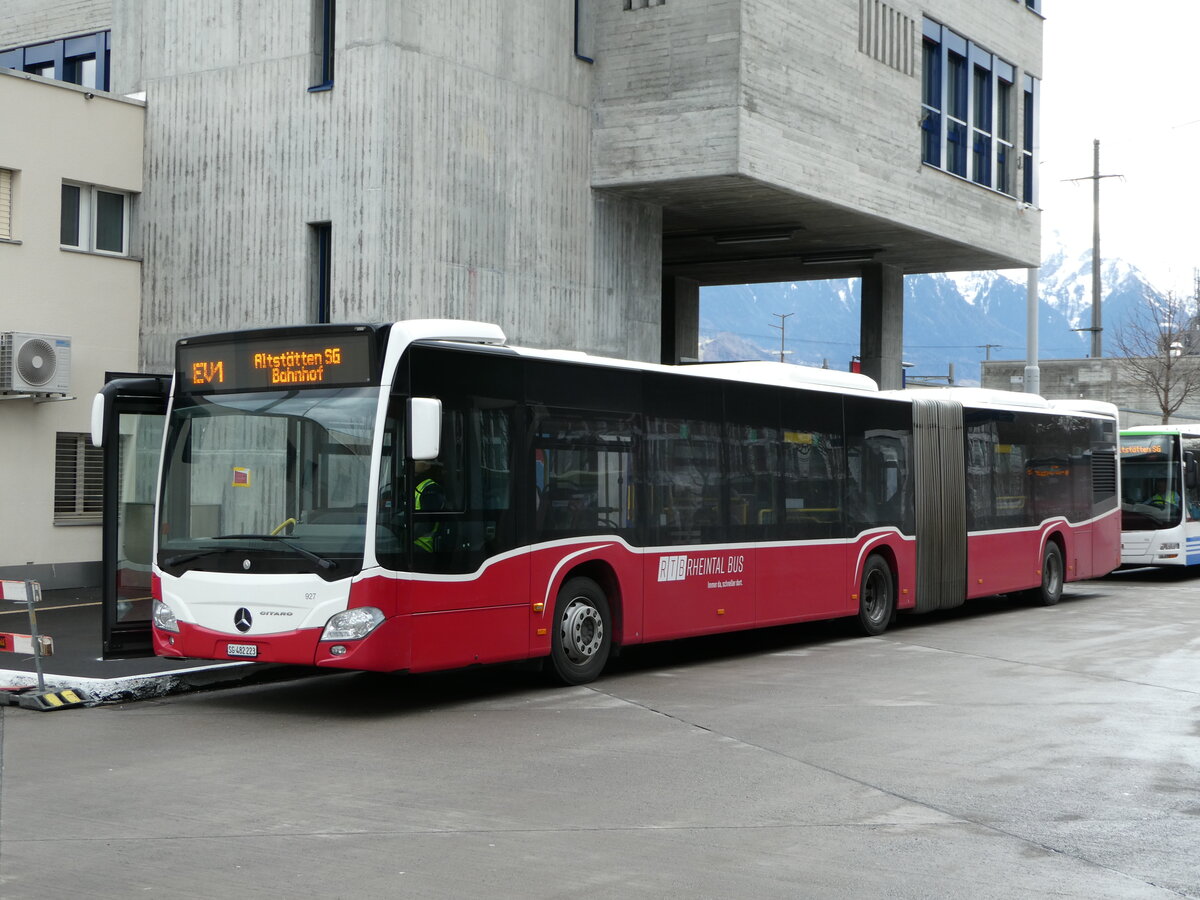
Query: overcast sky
point(1125, 74)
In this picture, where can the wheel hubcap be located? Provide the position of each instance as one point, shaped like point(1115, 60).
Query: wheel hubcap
point(875, 597)
point(1053, 575)
point(581, 630)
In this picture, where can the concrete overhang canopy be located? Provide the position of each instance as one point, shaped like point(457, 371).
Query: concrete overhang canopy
point(734, 229)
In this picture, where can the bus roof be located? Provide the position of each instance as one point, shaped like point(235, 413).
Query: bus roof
point(1188, 430)
point(988, 397)
point(763, 372)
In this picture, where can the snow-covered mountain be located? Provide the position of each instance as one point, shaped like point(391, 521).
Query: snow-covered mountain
point(959, 318)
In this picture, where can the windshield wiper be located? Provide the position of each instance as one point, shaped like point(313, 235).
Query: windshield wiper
point(196, 554)
point(296, 548)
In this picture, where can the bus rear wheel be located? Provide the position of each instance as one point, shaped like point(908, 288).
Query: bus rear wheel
point(582, 637)
point(1051, 589)
point(876, 597)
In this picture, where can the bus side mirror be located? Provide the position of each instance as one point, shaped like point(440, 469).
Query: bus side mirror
point(99, 418)
point(1189, 470)
point(424, 428)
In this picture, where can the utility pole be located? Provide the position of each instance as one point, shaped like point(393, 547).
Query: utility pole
point(1094, 178)
point(1033, 372)
point(782, 326)
point(987, 349)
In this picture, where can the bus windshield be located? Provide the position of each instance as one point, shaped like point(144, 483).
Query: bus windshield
point(1151, 495)
point(267, 481)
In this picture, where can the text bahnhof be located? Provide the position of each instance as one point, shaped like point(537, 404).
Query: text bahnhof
point(296, 366)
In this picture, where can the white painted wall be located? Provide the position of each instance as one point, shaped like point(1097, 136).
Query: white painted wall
point(93, 299)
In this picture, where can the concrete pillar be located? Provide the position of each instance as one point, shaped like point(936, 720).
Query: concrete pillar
point(881, 336)
point(680, 319)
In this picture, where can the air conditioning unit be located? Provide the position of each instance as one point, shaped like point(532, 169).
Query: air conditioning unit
point(34, 363)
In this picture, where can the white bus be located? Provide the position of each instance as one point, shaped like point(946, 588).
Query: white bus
point(1160, 496)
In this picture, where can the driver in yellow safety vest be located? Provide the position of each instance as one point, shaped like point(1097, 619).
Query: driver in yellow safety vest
point(1162, 496)
point(427, 497)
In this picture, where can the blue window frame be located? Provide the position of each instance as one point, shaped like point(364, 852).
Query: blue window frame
point(966, 110)
point(323, 16)
point(321, 249)
point(931, 103)
point(82, 60)
point(1029, 140)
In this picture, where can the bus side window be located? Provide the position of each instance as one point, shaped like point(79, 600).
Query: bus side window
point(583, 473)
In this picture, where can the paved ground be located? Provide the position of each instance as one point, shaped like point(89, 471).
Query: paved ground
point(1000, 750)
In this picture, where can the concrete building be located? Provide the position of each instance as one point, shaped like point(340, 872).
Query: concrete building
point(70, 280)
point(571, 171)
point(574, 171)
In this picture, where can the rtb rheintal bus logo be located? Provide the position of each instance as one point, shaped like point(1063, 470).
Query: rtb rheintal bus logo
point(679, 567)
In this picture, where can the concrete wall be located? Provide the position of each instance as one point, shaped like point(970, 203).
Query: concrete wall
point(757, 89)
point(33, 21)
point(451, 157)
point(89, 297)
point(668, 96)
point(1091, 379)
point(825, 119)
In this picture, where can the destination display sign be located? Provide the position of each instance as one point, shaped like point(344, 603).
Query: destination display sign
point(307, 360)
point(1145, 445)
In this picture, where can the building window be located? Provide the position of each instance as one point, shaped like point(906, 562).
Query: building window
point(78, 480)
point(320, 244)
point(82, 60)
point(966, 114)
point(6, 182)
point(1004, 135)
point(94, 219)
point(323, 15)
point(1029, 140)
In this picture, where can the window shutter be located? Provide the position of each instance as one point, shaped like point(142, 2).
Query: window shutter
point(78, 479)
point(5, 204)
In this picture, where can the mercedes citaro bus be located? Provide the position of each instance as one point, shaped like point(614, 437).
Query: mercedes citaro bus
point(585, 504)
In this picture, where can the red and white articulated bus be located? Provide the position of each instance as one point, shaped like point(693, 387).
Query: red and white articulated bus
point(582, 504)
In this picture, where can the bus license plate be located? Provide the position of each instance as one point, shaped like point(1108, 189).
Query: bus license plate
point(242, 649)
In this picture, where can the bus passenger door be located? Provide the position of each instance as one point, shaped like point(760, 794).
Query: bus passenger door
point(127, 422)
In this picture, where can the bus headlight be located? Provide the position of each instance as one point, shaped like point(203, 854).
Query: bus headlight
point(164, 617)
point(353, 624)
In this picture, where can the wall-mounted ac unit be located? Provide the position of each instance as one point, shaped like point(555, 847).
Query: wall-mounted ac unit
point(35, 363)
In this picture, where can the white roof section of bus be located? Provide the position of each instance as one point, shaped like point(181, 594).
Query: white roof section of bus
point(1186, 430)
point(993, 399)
point(754, 371)
point(463, 330)
point(751, 371)
point(1098, 407)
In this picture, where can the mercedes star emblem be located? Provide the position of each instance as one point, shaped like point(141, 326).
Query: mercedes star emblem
point(242, 620)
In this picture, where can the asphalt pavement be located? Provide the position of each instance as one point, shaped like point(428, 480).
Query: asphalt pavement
point(995, 751)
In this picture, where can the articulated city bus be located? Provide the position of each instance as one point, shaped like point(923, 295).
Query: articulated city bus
point(1160, 495)
point(421, 496)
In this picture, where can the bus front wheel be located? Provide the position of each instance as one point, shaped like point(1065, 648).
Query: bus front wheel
point(582, 635)
point(1050, 591)
point(876, 597)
